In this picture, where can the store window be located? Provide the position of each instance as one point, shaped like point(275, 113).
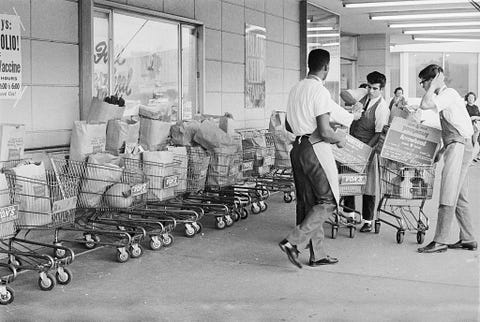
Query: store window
point(417, 62)
point(146, 60)
point(461, 71)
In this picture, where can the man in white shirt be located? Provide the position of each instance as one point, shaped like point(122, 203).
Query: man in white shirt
point(316, 178)
point(457, 137)
point(368, 130)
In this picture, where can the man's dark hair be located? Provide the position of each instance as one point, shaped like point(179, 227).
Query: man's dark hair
point(363, 85)
point(377, 78)
point(397, 89)
point(471, 93)
point(318, 59)
point(430, 72)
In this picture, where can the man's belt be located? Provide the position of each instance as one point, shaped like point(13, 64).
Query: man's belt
point(301, 137)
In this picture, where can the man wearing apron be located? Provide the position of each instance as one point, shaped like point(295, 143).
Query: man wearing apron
point(314, 169)
point(457, 136)
point(368, 130)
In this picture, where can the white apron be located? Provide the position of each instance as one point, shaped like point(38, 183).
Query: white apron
point(323, 151)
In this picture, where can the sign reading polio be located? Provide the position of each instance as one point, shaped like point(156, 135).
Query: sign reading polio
point(410, 142)
point(10, 57)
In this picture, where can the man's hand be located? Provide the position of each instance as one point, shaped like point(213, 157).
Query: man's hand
point(438, 156)
point(438, 81)
point(343, 139)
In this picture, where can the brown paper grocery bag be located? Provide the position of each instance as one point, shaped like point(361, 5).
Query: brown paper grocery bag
point(103, 112)
point(12, 141)
point(122, 136)
point(87, 139)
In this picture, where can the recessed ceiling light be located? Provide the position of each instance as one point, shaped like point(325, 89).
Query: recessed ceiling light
point(435, 24)
point(441, 31)
point(425, 16)
point(400, 3)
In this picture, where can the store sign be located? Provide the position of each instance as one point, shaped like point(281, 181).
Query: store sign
point(410, 142)
point(10, 57)
point(355, 154)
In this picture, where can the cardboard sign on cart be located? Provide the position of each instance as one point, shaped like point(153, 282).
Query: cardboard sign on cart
point(411, 143)
point(355, 153)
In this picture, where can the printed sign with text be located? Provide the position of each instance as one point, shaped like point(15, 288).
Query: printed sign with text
point(355, 153)
point(10, 57)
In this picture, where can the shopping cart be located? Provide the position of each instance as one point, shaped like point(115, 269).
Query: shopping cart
point(352, 179)
point(8, 272)
point(404, 190)
point(41, 206)
point(104, 193)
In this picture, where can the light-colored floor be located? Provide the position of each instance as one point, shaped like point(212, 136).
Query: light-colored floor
point(240, 274)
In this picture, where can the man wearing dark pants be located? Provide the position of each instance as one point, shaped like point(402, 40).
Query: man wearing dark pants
point(457, 137)
point(316, 178)
point(368, 129)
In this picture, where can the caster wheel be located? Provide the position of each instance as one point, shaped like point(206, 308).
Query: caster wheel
point(167, 240)
point(91, 241)
point(235, 215)
point(63, 276)
point(334, 232)
point(122, 256)
point(47, 283)
point(7, 297)
point(263, 206)
point(352, 232)
point(155, 243)
point(189, 231)
point(136, 251)
point(377, 227)
point(420, 237)
point(59, 253)
point(199, 227)
point(255, 208)
point(400, 236)
point(287, 197)
point(243, 213)
point(228, 221)
point(15, 262)
point(220, 223)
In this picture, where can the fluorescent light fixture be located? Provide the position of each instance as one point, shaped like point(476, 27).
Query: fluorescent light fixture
point(445, 15)
point(319, 28)
point(444, 39)
point(441, 31)
point(435, 24)
point(400, 3)
point(328, 44)
point(322, 35)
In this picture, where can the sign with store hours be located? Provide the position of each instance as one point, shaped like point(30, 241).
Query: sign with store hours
point(410, 142)
point(10, 57)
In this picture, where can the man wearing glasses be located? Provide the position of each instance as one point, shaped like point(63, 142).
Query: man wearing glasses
point(457, 137)
point(368, 130)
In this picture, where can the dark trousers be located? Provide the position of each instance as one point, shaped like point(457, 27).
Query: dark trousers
point(315, 200)
point(368, 207)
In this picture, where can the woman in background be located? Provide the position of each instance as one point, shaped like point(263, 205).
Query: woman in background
point(398, 105)
point(474, 113)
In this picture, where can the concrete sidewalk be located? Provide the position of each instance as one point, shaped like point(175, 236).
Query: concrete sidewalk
point(240, 274)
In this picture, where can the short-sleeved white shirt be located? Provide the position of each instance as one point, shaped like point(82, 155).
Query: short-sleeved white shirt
point(451, 103)
point(382, 113)
point(307, 100)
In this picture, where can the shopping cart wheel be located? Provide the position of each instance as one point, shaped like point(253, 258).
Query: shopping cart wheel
point(243, 213)
point(288, 197)
point(122, 255)
point(400, 236)
point(167, 240)
point(420, 237)
point(63, 275)
point(263, 206)
point(220, 223)
point(334, 231)
point(235, 214)
point(189, 231)
point(155, 243)
point(46, 281)
point(136, 251)
point(198, 226)
point(377, 227)
point(7, 296)
point(91, 241)
point(255, 208)
point(352, 231)
point(228, 220)
point(58, 252)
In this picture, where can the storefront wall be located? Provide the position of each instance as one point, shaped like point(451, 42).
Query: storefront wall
point(51, 68)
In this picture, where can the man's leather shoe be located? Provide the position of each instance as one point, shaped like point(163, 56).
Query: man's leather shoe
point(291, 251)
point(366, 228)
point(324, 261)
point(433, 247)
point(472, 245)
